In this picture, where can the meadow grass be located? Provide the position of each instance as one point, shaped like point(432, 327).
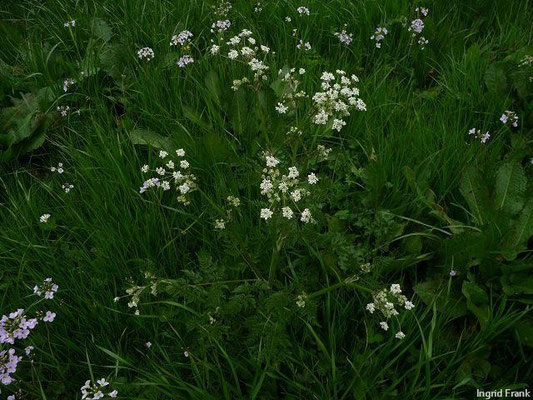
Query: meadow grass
point(406, 189)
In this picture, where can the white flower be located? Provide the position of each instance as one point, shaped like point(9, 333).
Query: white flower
point(296, 195)
point(184, 164)
point(306, 216)
point(163, 154)
point(180, 152)
point(400, 335)
point(395, 288)
point(215, 49)
point(384, 326)
point(266, 213)
point(287, 212)
point(293, 172)
point(145, 168)
point(266, 186)
point(303, 10)
point(408, 305)
point(146, 53)
point(160, 170)
point(271, 161)
point(312, 178)
point(220, 224)
point(233, 54)
point(281, 108)
point(148, 344)
point(338, 124)
point(371, 308)
point(44, 218)
point(113, 394)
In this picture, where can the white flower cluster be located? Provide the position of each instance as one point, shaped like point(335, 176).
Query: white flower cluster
point(134, 291)
point(303, 45)
point(67, 187)
point(483, 137)
point(290, 93)
point(284, 190)
point(323, 152)
point(223, 8)
point(234, 202)
point(95, 391)
point(417, 26)
point(184, 60)
point(301, 299)
point(303, 10)
point(220, 26)
point(146, 53)
point(47, 289)
point(59, 169)
point(386, 301)
point(183, 38)
point(172, 172)
point(71, 23)
point(243, 47)
point(43, 219)
point(338, 96)
point(63, 110)
point(379, 35)
point(344, 37)
point(510, 116)
point(67, 83)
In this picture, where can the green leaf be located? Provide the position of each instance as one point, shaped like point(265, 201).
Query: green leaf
point(477, 301)
point(434, 291)
point(148, 137)
point(475, 193)
point(101, 29)
point(496, 79)
point(521, 231)
point(510, 187)
point(524, 330)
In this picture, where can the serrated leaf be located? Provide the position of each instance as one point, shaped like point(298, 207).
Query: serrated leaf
point(510, 187)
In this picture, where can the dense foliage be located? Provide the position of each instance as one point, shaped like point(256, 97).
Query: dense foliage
point(302, 200)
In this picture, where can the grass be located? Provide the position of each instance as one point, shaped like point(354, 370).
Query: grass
point(394, 193)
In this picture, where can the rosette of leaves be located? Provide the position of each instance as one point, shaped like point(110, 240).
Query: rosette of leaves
point(24, 124)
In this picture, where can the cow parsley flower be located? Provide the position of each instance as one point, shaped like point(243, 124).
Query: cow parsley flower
point(312, 178)
point(266, 213)
point(400, 335)
point(281, 108)
point(145, 53)
point(384, 325)
point(287, 212)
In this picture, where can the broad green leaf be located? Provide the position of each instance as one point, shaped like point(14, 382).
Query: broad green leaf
point(475, 192)
point(510, 187)
point(148, 137)
point(101, 29)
